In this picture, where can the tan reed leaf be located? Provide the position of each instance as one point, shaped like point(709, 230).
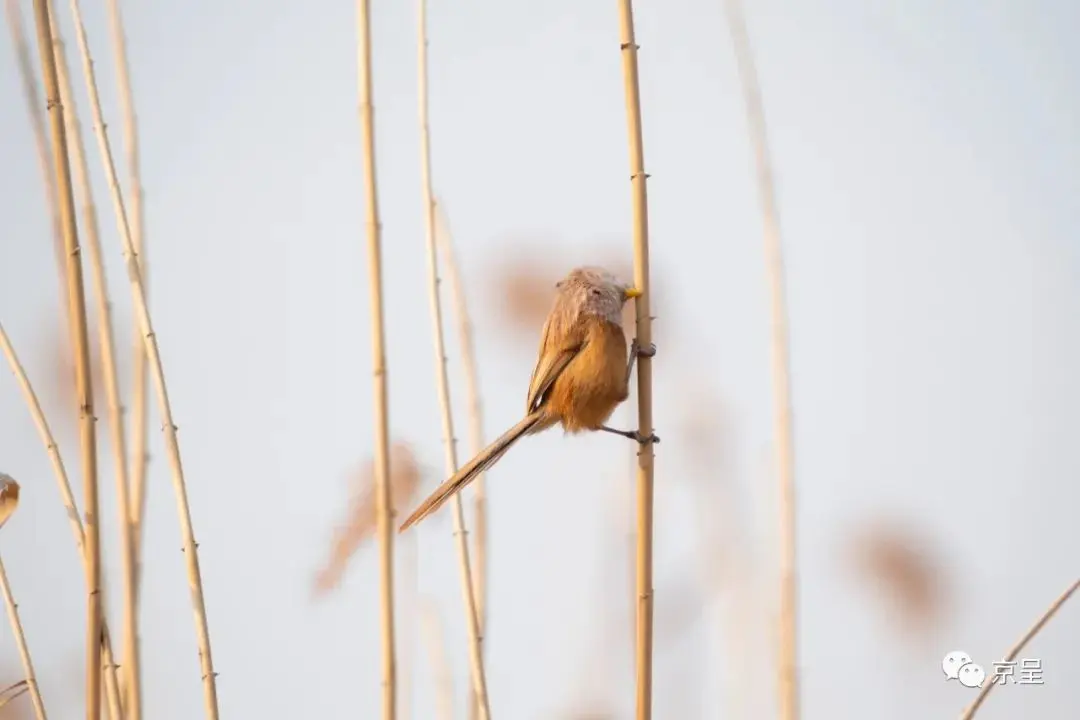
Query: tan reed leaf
point(15, 712)
point(360, 524)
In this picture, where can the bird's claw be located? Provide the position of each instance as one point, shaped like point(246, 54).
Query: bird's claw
point(646, 351)
point(642, 440)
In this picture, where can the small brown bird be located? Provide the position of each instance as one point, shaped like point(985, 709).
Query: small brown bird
point(580, 377)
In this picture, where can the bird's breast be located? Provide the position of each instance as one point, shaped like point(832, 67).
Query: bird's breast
point(594, 382)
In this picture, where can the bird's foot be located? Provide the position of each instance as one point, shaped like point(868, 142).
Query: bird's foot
point(653, 439)
point(645, 351)
point(633, 435)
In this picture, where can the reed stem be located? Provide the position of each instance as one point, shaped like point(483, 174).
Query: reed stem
point(139, 419)
point(644, 572)
point(9, 501)
point(476, 414)
point(108, 664)
point(157, 372)
point(472, 619)
point(384, 506)
point(37, 123)
point(787, 628)
point(20, 642)
point(81, 347)
point(440, 664)
point(131, 668)
point(969, 711)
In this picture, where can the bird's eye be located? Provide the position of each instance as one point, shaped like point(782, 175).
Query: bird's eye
point(597, 292)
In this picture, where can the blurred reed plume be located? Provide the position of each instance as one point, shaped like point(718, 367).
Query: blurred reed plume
point(360, 524)
point(905, 569)
point(527, 285)
point(58, 388)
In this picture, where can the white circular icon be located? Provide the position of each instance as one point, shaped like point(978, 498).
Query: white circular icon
point(953, 662)
point(972, 675)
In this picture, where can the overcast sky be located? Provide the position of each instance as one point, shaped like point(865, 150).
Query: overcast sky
point(928, 162)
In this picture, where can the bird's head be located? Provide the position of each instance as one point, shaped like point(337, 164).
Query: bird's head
point(595, 291)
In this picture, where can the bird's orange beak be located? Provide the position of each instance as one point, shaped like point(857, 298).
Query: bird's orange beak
point(632, 293)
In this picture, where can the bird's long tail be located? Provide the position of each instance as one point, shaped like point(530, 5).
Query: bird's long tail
point(472, 469)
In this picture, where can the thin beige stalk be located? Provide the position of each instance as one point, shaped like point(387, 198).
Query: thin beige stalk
point(383, 501)
point(969, 711)
point(9, 501)
point(407, 604)
point(81, 346)
point(157, 371)
point(644, 644)
point(37, 122)
point(435, 639)
point(20, 641)
point(68, 498)
point(476, 412)
point(131, 668)
point(139, 456)
point(472, 618)
point(787, 630)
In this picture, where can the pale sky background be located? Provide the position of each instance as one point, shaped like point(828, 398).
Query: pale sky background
point(928, 161)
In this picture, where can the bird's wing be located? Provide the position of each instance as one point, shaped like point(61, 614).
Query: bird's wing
point(558, 346)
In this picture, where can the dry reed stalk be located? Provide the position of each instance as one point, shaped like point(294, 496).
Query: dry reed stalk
point(20, 641)
point(787, 630)
point(81, 345)
point(644, 572)
point(9, 500)
point(68, 498)
point(435, 638)
point(37, 123)
point(131, 666)
point(384, 504)
point(139, 456)
point(472, 618)
point(969, 711)
point(721, 533)
point(406, 598)
point(157, 371)
point(476, 411)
